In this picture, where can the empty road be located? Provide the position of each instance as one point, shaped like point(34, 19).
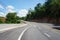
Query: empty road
point(32, 31)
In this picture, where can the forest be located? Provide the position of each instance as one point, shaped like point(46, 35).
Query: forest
point(49, 12)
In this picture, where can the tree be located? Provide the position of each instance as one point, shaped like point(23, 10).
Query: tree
point(50, 10)
point(12, 17)
point(40, 11)
point(28, 17)
point(53, 9)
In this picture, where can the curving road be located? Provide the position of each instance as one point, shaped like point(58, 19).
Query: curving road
point(32, 31)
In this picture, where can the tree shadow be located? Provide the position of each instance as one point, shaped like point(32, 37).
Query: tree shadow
point(58, 28)
point(57, 24)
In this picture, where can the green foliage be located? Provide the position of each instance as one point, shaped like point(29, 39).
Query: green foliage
point(53, 8)
point(12, 18)
point(50, 9)
point(39, 12)
point(18, 21)
point(22, 18)
point(1, 21)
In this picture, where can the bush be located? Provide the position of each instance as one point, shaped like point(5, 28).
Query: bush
point(7, 22)
point(1, 21)
point(18, 21)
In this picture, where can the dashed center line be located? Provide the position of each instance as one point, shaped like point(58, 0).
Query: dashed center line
point(47, 35)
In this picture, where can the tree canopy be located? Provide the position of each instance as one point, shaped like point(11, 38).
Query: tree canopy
point(12, 18)
point(50, 9)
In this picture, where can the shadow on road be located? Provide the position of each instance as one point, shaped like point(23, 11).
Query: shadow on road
point(58, 28)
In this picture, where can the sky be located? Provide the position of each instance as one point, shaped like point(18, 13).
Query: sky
point(19, 6)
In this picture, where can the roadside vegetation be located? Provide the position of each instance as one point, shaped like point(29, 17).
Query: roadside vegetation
point(10, 18)
point(49, 12)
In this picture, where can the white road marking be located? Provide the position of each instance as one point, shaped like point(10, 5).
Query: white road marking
point(36, 26)
point(47, 35)
point(22, 33)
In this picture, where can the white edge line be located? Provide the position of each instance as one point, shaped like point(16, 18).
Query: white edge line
point(47, 35)
point(22, 33)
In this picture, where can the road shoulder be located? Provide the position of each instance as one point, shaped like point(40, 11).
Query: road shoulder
point(6, 27)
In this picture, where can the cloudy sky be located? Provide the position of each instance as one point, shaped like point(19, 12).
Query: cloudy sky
point(19, 6)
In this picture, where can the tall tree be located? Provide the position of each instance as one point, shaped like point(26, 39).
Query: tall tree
point(11, 17)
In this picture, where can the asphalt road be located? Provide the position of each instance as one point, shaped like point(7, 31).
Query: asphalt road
point(32, 31)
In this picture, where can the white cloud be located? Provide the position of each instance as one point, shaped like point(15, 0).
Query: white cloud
point(22, 13)
point(10, 8)
point(2, 14)
point(1, 6)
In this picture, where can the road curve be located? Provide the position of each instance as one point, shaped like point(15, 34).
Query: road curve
point(36, 31)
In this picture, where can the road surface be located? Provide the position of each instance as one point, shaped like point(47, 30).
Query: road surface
point(32, 31)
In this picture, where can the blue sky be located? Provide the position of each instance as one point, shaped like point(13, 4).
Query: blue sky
point(18, 5)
